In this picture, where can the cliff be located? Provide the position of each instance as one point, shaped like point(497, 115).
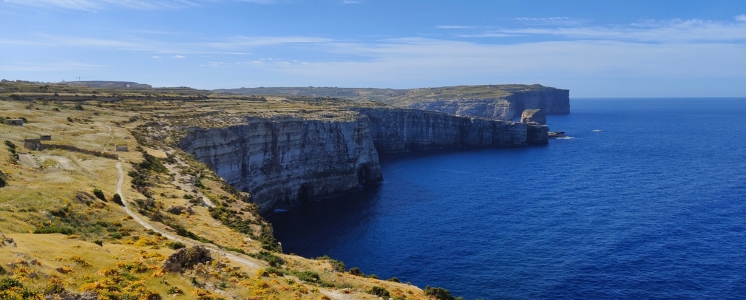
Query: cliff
point(398, 130)
point(499, 102)
point(284, 161)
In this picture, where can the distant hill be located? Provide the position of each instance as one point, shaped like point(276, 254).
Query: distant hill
point(110, 84)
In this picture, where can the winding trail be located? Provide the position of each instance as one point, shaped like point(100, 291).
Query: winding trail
point(231, 256)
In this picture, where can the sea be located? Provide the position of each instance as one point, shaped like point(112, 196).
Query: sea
point(645, 199)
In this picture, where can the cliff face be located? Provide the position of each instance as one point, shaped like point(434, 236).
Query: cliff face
point(281, 162)
point(397, 130)
point(507, 107)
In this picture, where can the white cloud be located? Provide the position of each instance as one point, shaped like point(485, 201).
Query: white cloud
point(453, 27)
point(156, 57)
point(248, 42)
point(178, 56)
point(648, 31)
point(741, 18)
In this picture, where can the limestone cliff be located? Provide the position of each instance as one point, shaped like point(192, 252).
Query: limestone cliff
point(284, 161)
point(398, 130)
point(504, 104)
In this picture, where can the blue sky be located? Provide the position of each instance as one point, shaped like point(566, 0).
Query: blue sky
point(594, 48)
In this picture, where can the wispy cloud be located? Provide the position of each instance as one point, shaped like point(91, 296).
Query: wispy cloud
point(350, 2)
point(178, 57)
point(453, 27)
point(646, 31)
point(93, 5)
point(47, 67)
point(242, 42)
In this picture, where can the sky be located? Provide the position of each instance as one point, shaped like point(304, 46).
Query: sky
point(630, 48)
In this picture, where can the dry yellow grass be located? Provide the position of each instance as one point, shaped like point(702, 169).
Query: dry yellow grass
point(44, 191)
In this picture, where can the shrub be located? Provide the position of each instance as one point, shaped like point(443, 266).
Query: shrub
point(8, 283)
point(117, 199)
point(2, 182)
point(48, 230)
point(356, 271)
point(99, 194)
point(99, 242)
point(439, 293)
point(78, 107)
point(393, 279)
point(307, 276)
point(374, 276)
point(69, 119)
point(379, 291)
point(175, 245)
point(273, 260)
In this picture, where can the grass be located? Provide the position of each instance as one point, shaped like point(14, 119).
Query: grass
point(45, 192)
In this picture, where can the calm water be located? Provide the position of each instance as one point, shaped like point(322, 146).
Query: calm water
point(651, 206)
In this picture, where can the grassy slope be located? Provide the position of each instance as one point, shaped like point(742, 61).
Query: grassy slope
point(53, 189)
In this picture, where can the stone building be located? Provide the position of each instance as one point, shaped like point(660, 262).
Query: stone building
point(32, 144)
point(14, 122)
point(45, 137)
point(121, 148)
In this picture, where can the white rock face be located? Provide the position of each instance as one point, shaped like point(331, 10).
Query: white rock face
point(398, 130)
point(550, 100)
point(284, 161)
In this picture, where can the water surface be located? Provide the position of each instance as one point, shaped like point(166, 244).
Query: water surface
point(647, 200)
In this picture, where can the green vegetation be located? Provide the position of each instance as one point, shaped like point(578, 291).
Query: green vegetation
point(440, 293)
point(379, 291)
point(99, 194)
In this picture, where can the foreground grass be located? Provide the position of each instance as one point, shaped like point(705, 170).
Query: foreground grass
point(68, 239)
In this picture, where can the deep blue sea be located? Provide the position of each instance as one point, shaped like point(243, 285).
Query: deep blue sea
point(646, 200)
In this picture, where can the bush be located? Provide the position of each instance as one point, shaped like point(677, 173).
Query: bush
point(99, 242)
point(356, 271)
point(117, 199)
point(78, 107)
point(307, 276)
point(374, 276)
point(379, 291)
point(175, 245)
point(48, 230)
point(273, 260)
point(439, 293)
point(99, 194)
point(8, 283)
point(393, 279)
point(69, 119)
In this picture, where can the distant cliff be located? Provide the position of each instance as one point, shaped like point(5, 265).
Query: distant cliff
point(505, 103)
point(284, 161)
point(398, 130)
point(499, 102)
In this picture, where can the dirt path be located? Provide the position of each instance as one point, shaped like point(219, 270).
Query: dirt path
point(231, 256)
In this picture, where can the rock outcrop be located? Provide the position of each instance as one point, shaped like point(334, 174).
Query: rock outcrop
point(282, 161)
point(399, 130)
point(506, 107)
point(533, 116)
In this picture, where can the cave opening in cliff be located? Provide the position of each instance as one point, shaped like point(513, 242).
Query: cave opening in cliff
point(363, 174)
point(304, 193)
